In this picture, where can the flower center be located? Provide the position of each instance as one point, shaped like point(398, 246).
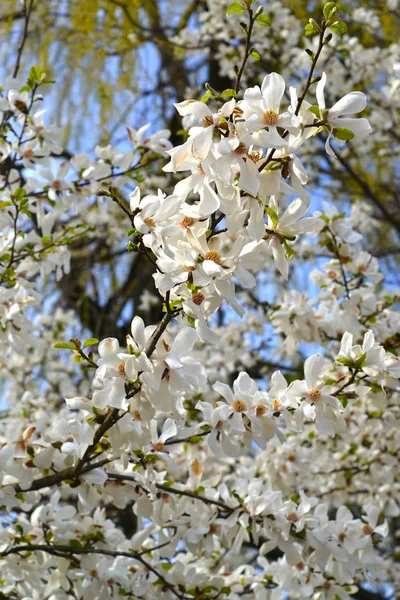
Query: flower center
point(186, 223)
point(121, 368)
point(367, 529)
point(158, 447)
point(255, 156)
point(292, 517)
point(327, 586)
point(137, 416)
point(276, 404)
point(314, 394)
point(198, 298)
point(260, 410)
point(238, 405)
point(195, 467)
point(207, 121)
point(200, 169)
point(150, 222)
point(214, 256)
point(271, 116)
point(241, 149)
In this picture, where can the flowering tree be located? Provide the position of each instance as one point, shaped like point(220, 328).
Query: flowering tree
point(234, 447)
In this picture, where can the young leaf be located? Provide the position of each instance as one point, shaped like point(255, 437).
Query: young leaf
point(90, 342)
point(342, 133)
point(235, 7)
point(264, 20)
point(329, 10)
point(273, 215)
point(338, 27)
point(229, 93)
point(65, 345)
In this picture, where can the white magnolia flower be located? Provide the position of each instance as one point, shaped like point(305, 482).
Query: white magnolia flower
point(371, 354)
point(317, 403)
point(261, 109)
point(339, 114)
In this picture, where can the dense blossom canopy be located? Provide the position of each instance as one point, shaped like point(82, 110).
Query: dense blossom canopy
point(241, 483)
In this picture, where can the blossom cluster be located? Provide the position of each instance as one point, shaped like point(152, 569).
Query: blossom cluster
point(244, 480)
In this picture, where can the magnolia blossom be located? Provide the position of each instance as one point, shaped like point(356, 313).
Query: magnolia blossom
point(233, 474)
point(338, 115)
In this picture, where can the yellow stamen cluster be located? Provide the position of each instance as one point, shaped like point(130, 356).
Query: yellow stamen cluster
point(241, 149)
point(207, 121)
point(150, 222)
point(198, 298)
point(238, 405)
point(314, 394)
point(271, 117)
point(214, 256)
point(121, 368)
point(186, 222)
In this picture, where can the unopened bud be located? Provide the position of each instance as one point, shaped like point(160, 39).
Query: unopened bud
point(131, 247)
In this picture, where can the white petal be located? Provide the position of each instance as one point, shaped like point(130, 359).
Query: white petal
point(350, 104)
point(249, 180)
point(319, 92)
point(224, 390)
point(312, 368)
point(108, 348)
point(184, 342)
point(192, 107)
point(137, 329)
point(245, 278)
point(209, 201)
point(273, 88)
point(202, 143)
point(169, 430)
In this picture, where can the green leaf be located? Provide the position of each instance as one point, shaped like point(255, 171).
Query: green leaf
point(289, 250)
point(190, 320)
point(347, 362)
point(273, 215)
point(65, 345)
point(195, 439)
point(75, 543)
point(90, 342)
point(338, 27)
point(312, 28)
point(255, 55)
point(229, 93)
point(36, 76)
point(329, 10)
point(314, 109)
point(341, 133)
point(359, 363)
point(19, 194)
point(206, 96)
point(235, 7)
point(264, 20)
point(5, 203)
